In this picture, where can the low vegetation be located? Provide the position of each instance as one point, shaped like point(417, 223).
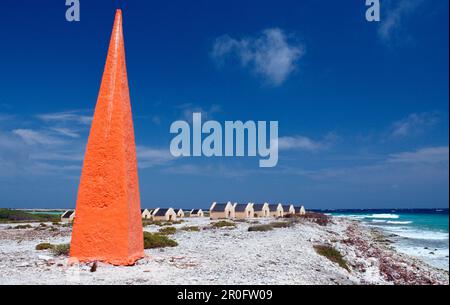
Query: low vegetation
point(319, 218)
point(44, 246)
point(223, 224)
point(332, 254)
point(59, 250)
point(260, 228)
point(147, 222)
point(157, 240)
point(22, 227)
point(9, 215)
point(168, 230)
point(281, 224)
point(191, 229)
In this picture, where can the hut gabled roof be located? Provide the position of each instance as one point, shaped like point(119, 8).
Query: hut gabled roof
point(67, 214)
point(258, 207)
point(161, 212)
point(219, 207)
point(240, 207)
point(273, 207)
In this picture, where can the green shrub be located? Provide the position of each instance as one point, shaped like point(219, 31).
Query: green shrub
point(61, 250)
point(168, 230)
point(157, 240)
point(332, 254)
point(223, 223)
point(152, 222)
point(191, 229)
point(260, 228)
point(44, 246)
point(172, 222)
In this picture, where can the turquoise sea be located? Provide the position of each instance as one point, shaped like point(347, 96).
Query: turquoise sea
point(422, 233)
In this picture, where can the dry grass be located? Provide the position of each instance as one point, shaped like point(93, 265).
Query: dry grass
point(260, 228)
point(224, 224)
point(191, 229)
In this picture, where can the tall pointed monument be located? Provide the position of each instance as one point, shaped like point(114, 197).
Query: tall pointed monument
point(108, 224)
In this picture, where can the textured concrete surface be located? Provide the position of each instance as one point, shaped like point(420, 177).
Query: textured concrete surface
point(108, 225)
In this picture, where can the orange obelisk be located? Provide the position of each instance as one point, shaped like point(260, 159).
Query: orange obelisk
point(108, 224)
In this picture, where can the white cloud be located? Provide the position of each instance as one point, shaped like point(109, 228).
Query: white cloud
point(298, 142)
point(66, 117)
point(32, 137)
point(393, 18)
point(150, 157)
point(269, 55)
point(188, 109)
point(425, 155)
point(66, 132)
point(414, 124)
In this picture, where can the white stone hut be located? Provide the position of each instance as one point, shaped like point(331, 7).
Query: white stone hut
point(222, 211)
point(276, 210)
point(160, 214)
point(243, 211)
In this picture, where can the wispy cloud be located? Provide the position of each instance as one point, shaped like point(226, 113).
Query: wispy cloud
point(150, 157)
point(299, 142)
point(438, 154)
point(50, 144)
point(270, 55)
point(66, 117)
point(393, 18)
point(414, 124)
point(36, 137)
point(187, 109)
point(66, 132)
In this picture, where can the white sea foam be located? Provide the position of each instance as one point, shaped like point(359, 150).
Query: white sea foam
point(417, 234)
point(399, 222)
point(435, 257)
point(383, 216)
point(378, 220)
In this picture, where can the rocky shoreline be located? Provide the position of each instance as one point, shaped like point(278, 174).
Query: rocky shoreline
point(226, 256)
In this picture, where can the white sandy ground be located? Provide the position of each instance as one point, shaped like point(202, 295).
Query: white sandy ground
point(213, 256)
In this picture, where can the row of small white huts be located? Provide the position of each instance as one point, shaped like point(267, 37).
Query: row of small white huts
point(158, 214)
point(169, 214)
point(227, 210)
point(253, 210)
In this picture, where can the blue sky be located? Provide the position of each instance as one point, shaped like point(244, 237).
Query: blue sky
point(362, 107)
